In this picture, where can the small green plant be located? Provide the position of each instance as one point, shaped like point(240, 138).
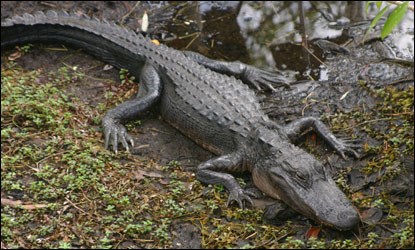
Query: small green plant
point(291, 242)
point(174, 164)
point(125, 76)
point(106, 241)
point(394, 18)
point(26, 48)
point(405, 237)
point(315, 243)
point(172, 208)
point(143, 227)
point(65, 245)
point(161, 231)
point(348, 244)
point(211, 204)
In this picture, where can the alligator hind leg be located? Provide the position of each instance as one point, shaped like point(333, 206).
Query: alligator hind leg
point(296, 128)
point(149, 93)
point(211, 172)
point(246, 73)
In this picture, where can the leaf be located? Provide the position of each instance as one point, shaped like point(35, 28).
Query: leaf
point(371, 216)
point(378, 4)
point(144, 23)
point(18, 203)
point(108, 67)
point(156, 42)
point(140, 173)
point(312, 232)
point(377, 17)
point(394, 18)
point(345, 94)
point(15, 56)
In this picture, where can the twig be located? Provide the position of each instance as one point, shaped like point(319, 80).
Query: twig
point(75, 206)
point(191, 42)
point(375, 120)
point(318, 59)
point(399, 114)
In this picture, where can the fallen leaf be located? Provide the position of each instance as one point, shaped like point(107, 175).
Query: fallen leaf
point(144, 23)
point(312, 232)
point(18, 203)
point(358, 195)
point(344, 95)
point(8, 202)
point(33, 206)
point(15, 56)
point(139, 175)
point(108, 67)
point(371, 216)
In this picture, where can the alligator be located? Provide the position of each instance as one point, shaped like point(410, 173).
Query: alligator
point(209, 102)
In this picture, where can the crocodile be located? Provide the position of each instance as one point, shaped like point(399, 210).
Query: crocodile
point(210, 102)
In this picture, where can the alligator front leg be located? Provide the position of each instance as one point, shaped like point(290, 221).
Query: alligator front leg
point(149, 93)
point(296, 128)
point(246, 73)
point(211, 172)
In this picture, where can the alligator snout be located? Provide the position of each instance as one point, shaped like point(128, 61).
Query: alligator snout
point(347, 220)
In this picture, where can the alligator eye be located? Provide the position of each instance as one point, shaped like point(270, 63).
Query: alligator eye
point(303, 179)
point(301, 176)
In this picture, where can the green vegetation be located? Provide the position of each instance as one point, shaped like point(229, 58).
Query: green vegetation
point(394, 18)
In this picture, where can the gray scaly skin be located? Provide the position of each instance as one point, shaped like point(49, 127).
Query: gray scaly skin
point(207, 101)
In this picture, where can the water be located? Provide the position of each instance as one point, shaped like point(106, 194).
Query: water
point(269, 34)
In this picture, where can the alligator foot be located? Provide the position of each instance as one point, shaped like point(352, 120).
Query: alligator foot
point(248, 74)
point(114, 133)
point(242, 197)
point(214, 171)
point(259, 77)
point(343, 147)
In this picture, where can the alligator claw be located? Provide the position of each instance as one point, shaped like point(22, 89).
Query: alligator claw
point(115, 133)
point(259, 77)
point(240, 196)
point(347, 148)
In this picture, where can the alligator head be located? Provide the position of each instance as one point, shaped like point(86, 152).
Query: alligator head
point(298, 179)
